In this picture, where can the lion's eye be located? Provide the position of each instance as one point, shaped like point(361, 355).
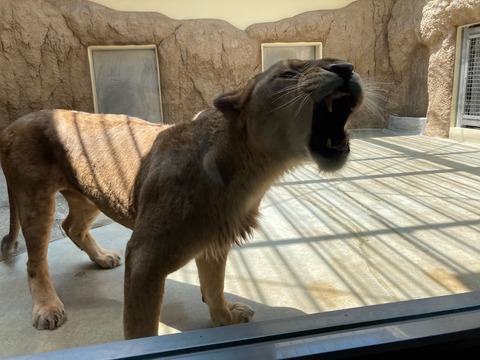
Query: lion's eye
point(288, 74)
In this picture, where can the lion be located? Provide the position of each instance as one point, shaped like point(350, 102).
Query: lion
point(187, 191)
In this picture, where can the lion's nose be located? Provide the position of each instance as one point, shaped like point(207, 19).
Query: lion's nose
point(344, 70)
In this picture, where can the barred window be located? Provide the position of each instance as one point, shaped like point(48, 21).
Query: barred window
point(469, 87)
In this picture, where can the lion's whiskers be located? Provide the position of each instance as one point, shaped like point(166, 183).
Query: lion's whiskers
point(377, 94)
point(304, 101)
point(302, 98)
point(286, 91)
point(281, 106)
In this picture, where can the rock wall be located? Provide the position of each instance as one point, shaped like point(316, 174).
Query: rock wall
point(438, 29)
point(404, 49)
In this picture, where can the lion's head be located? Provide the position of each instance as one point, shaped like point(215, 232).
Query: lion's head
point(298, 108)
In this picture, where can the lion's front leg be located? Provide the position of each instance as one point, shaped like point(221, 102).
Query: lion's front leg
point(143, 292)
point(211, 271)
point(149, 259)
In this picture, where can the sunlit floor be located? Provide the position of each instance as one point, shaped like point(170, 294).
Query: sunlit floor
point(400, 222)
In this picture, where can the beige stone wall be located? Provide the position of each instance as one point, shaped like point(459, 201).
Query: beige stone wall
point(404, 49)
point(242, 17)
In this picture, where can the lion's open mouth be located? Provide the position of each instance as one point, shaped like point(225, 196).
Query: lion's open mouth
point(328, 137)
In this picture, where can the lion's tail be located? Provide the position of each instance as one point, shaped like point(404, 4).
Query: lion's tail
point(9, 241)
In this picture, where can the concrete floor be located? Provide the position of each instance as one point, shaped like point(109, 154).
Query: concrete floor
point(400, 222)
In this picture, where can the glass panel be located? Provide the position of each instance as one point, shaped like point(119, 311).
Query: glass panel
point(126, 82)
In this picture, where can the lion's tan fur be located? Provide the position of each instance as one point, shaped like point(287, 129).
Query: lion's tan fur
point(187, 191)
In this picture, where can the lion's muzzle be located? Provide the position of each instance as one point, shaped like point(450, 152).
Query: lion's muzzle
point(329, 142)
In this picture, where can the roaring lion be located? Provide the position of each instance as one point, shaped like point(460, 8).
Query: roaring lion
point(188, 191)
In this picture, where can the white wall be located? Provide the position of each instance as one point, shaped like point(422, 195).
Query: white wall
point(238, 13)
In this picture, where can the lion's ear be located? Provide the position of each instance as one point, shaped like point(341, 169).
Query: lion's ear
point(231, 103)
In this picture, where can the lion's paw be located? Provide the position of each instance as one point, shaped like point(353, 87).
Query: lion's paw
point(108, 259)
point(241, 313)
point(49, 317)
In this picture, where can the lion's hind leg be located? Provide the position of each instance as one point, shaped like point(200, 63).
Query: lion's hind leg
point(81, 214)
point(36, 210)
point(211, 272)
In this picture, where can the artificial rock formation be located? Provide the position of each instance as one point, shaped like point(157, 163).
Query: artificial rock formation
point(404, 49)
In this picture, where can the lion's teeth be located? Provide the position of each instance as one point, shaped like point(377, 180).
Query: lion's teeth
point(329, 104)
point(328, 144)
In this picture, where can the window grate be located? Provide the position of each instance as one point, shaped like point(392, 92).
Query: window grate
point(468, 114)
point(472, 91)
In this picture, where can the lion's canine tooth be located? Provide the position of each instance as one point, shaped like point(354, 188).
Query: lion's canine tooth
point(329, 104)
point(328, 143)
